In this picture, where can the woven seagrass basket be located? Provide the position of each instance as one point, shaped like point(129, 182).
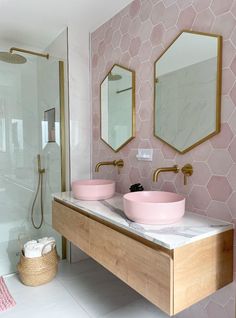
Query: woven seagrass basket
point(39, 270)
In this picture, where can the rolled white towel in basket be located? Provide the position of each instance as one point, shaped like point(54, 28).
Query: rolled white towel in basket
point(33, 250)
point(47, 247)
point(37, 248)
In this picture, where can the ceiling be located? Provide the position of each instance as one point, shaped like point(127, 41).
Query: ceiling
point(36, 23)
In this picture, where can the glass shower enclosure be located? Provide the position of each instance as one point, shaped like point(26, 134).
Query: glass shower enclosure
point(31, 101)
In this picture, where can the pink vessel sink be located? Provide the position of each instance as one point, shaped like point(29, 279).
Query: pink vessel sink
point(154, 207)
point(97, 189)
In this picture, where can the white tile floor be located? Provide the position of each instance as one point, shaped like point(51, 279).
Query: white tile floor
point(80, 290)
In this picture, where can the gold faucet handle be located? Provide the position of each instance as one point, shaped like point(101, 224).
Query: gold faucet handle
point(119, 163)
point(187, 171)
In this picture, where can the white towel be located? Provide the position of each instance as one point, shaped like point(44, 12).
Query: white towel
point(33, 250)
point(45, 241)
point(36, 248)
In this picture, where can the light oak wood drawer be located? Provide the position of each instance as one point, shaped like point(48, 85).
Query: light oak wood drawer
point(172, 280)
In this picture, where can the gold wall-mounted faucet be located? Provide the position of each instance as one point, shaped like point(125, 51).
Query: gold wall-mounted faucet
point(116, 163)
point(156, 173)
point(187, 171)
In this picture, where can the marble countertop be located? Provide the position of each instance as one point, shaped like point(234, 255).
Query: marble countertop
point(191, 228)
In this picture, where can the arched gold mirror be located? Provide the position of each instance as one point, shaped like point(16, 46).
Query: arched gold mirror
point(118, 107)
point(187, 90)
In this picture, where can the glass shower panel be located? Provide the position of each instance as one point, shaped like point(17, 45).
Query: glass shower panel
point(27, 91)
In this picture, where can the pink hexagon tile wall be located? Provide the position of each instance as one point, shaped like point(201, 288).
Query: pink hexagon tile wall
point(135, 38)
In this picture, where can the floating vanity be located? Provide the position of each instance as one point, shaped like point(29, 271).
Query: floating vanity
point(173, 266)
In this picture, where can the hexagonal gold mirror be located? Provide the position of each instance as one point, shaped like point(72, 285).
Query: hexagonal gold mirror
point(187, 90)
point(118, 107)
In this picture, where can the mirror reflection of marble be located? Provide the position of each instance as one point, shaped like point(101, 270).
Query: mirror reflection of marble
point(118, 107)
point(187, 91)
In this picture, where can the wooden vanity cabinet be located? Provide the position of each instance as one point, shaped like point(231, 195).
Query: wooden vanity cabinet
point(171, 279)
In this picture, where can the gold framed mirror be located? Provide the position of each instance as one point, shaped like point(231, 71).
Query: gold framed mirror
point(187, 92)
point(117, 105)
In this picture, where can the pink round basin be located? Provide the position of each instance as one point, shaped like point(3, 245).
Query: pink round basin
point(154, 207)
point(97, 189)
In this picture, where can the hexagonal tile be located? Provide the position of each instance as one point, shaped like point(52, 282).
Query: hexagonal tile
point(145, 70)
point(233, 94)
point(134, 8)
point(125, 58)
point(228, 79)
point(157, 34)
point(224, 25)
point(146, 10)
point(168, 152)
point(232, 177)
point(223, 139)
point(186, 18)
point(184, 3)
point(101, 48)
point(169, 35)
point(144, 114)
point(232, 122)
point(181, 187)
point(146, 30)
point(125, 42)
point(220, 161)
point(145, 130)
point(219, 188)
point(233, 65)
point(134, 27)
point(219, 210)
point(157, 13)
point(168, 186)
point(135, 46)
point(227, 109)
point(201, 173)
point(232, 149)
point(228, 53)
point(204, 21)
point(232, 205)
point(145, 51)
point(170, 16)
point(200, 5)
point(233, 37)
point(125, 23)
point(199, 197)
point(116, 38)
point(202, 152)
point(145, 91)
point(116, 20)
point(220, 7)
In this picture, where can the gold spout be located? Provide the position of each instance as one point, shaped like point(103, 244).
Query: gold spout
point(116, 163)
point(175, 169)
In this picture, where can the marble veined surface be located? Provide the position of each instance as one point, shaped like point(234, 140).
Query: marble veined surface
point(191, 228)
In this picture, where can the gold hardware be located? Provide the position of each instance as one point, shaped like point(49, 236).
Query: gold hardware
point(133, 109)
point(63, 143)
point(40, 170)
point(187, 171)
point(46, 55)
point(116, 163)
point(175, 169)
point(218, 91)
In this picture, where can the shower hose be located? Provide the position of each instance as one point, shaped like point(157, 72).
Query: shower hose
point(39, 188)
